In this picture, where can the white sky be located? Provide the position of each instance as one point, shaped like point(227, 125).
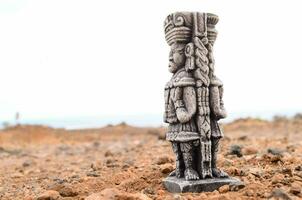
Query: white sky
point(64, 58)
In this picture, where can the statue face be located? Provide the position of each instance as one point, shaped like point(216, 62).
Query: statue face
point(177, 57)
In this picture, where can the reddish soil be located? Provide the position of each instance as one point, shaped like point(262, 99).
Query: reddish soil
point(123, 162)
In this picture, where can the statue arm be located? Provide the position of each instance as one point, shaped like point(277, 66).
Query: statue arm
point(185, 103)
point(216, 102)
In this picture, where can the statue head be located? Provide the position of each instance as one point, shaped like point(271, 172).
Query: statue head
point(177, 57)
point(191, 36)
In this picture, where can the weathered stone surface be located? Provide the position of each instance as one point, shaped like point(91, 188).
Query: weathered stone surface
point(176, 185)
point(194, 105)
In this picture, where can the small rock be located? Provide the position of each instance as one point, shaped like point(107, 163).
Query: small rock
point(298, 168)
point(108, 153)
point(235, 150)
point(96, 144)
point(68, 192)
point(149, 190)
point(65, 190)
point(256, 172)
point(163, 160)
point(249, 150)
point(295, 188)
point(96, 166)
point(272, 158)
point(287, 171)
point(224, 189)
point(277, 178)
point(236, 186)
point(249, 193)
point(93, 174)
point(279, 194)
point(235, 171)
point(244, 137)
point(111, 163)
point(59, 180)
point(275, 151)
point(28, 163)
point(166, 168)
point(160, 192)
point(49, 195)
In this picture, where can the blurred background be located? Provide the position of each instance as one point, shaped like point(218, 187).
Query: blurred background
point(77, 64)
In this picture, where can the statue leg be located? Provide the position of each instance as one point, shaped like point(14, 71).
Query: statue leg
point(187, 153)
point(179, 170)
point(215, 171)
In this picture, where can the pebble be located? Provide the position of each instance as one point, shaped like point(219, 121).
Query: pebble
point(224, 189)
point(249, 193)
point(93, 174)
point(166, 168)
point(256, 172)
point(28, 163)
point(288, 171)
point(108, 153)
point(275, 151)
point(277, 178)
point(298, 168)
point(235, 150)
point(244, 137)
point(96, 166)
point(65, 190)
point(249, 150)
point(163, 160)
point(280, 194)
point(149, 190)
point(160, 192)
point(295, 188)
point(49, 195)
point(235, 171)
point(236, 186)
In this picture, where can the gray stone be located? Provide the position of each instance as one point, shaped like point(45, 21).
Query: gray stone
point(194, 104)
point(180, 185)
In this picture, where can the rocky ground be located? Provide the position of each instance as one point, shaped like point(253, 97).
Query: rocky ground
point(128, 163)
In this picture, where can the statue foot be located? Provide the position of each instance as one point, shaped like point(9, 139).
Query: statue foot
point(176, 173)
point(219, 173)
point(173, 173)
point(191, 174)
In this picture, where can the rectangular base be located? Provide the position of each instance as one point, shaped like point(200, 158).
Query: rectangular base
point(180, 185)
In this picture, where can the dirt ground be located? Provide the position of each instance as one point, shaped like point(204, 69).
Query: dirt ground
point(129, 163)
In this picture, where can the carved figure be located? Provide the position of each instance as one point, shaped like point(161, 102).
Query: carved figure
point(193, 96)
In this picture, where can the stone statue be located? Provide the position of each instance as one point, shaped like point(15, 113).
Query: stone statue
point(193, 100)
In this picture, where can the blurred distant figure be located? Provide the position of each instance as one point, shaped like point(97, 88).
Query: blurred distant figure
point(17, 118)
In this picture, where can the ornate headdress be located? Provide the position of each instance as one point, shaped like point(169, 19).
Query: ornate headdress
point(196, 30)
point(184, 26)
